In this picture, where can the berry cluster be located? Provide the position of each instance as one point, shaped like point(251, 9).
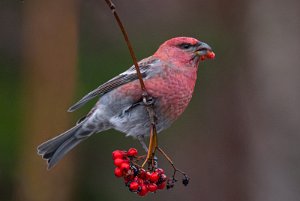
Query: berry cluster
point(137, 179)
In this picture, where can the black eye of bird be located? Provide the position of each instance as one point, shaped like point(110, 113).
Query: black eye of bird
point(185, 46)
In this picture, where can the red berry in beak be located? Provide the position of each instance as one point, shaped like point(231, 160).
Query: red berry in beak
point(211, 55)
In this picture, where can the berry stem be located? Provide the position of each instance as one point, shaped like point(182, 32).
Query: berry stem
point(166, 156)
point(172, 164)
point(152, 146)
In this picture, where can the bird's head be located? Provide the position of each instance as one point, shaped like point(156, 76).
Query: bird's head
point(184, 51)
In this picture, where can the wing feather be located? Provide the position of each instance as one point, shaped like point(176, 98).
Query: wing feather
point(117, 81)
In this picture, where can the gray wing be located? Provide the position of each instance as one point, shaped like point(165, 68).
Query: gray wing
point(117, 81)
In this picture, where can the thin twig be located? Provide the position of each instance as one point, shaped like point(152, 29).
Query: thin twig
point(173, 180)
point(170, 161)
point(113, 9)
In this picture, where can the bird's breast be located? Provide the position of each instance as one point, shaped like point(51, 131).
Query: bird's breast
point(173, 92)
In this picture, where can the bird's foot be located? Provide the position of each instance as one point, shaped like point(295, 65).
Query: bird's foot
point(152, 148)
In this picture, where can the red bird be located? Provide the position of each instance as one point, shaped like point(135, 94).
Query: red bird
point(169, 76)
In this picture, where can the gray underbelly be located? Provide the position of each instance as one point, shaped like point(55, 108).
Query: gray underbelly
point(136, 122)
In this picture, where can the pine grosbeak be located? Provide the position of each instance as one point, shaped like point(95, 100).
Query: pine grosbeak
point(169, 76)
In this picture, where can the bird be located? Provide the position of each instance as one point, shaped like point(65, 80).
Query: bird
point(169, 76)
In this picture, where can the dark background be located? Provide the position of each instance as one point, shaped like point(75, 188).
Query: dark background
point(238, 140)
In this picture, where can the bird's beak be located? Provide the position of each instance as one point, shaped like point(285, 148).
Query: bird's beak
point(204, 51)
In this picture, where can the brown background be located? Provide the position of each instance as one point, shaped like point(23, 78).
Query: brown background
point(238, 140)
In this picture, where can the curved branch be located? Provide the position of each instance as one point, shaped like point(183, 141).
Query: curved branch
point(113, 10)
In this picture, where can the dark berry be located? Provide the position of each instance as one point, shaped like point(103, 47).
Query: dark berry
point(163, 176)
point(161, 185)
point(185, 181)
point(170, 183)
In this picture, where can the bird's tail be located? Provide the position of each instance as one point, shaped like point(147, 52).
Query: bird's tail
point(54, 149)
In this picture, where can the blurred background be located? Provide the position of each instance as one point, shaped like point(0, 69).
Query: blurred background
point(239, 139)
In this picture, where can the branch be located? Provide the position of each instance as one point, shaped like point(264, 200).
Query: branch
point(148, 100)
point(113, 10)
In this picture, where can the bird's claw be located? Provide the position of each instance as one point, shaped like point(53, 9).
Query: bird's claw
point(148, 100)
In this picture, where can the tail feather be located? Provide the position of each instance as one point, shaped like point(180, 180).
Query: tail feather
point(51, 145)
point(62, 150)
point(55, 149)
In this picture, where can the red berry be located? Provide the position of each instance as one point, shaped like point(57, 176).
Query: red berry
point(148, 175)
point(211, 55)
point(159, 171)
point(133, 186)
point(163, 177)
point(128, 176)
point(132, 152)
point(118, 172)
point(154, 177)
point(162, 185)
point(125, 166)
point(117, 154)
point(127, 179)
point(135, 179)
point(118, 162)
point(140, 181)
point(143, 191)
point(142, 174)
point(152, 187)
